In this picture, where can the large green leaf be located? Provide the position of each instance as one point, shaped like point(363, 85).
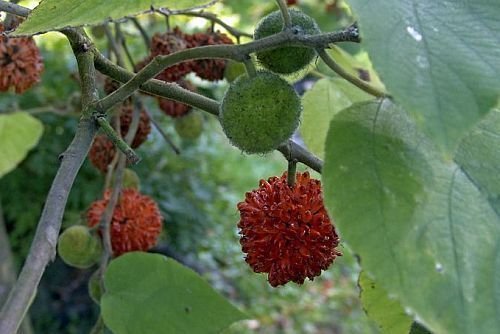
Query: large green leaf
point(57, 14)
point(321, 103)
point(437, 58)
point(387, 312)
point(149, 293)
point(427, 229)
point(19, 133)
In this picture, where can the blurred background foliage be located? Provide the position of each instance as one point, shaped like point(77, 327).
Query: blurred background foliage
point(197, 192)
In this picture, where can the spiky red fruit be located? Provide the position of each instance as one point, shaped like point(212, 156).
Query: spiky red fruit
point(143, 130)
point(165, 44)
point(285, 231)
point(208, 69)
point(136, 222)
point(102, 153)
point(20, 63)
point(173, 108)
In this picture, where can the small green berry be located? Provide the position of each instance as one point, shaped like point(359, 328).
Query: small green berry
point(94, 287)
point(233, 70)
point(259, 113)
point(289, 59)
point(189, 126)
point(77, 247)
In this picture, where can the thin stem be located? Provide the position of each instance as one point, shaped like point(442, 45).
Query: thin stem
point(98, 326)
point(212, 17)
point(163, 134)
point(287, 20)
point(363, 85)
point(132, 157)
point(250, 67)
point(144, 34)
point(292, 170)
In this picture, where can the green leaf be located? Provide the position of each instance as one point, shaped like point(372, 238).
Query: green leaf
point(437, 59)
point(321, 103)
point(386, 312)
point(149, 293)
point(57, 14)
point(19, 133)
point(425, 228)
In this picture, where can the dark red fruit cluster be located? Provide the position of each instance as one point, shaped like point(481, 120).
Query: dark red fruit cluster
point(170, 42)
point(136, 222)
point(291, 2)
point(20, 63)
point(208, 69)
point(285, 231)
point(174, 108)
point(103, 150)
point(102, 153)
point(143, 130)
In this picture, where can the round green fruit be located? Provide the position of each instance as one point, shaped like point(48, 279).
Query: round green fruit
point(77, 247)
point(130, 179)
point(233, 70)
point(189, 126)
point(94, 287)
point(290, 59)
point(259, 113)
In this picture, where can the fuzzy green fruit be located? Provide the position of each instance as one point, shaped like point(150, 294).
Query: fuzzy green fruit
point(259, 113)
point(77, 247)
point(94, 287)
point(189, 126)
point(290, 59)
point(130, 179)
point(233, 70)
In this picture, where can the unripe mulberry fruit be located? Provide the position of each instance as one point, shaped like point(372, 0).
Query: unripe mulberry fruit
point(136, 222)
point(94, 287)
point(233, 70)
point(20, 63)
point(189, 126)
point(259, 113)
point(289, 59)
point(78, 248)
point(285, 230)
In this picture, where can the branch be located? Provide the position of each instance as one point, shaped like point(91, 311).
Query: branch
point(285, 14)
point(12, 8)
point(43, 247)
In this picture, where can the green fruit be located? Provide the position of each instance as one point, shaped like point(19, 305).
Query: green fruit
point(290, 59)
point(130, 179)
point(189, 126)
point(98, 31)
point(233, 70)
point(94, 287)
point(259, 113)
point(77, 247)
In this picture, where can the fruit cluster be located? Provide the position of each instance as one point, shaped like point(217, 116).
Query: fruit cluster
point(20, 63)
point(285, 231)
point(176, 40)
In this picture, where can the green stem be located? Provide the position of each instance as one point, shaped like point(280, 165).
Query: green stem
point(132, 157)
point(363, 85)
point(292, 170)
point(287, 20)
point(250, 67)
